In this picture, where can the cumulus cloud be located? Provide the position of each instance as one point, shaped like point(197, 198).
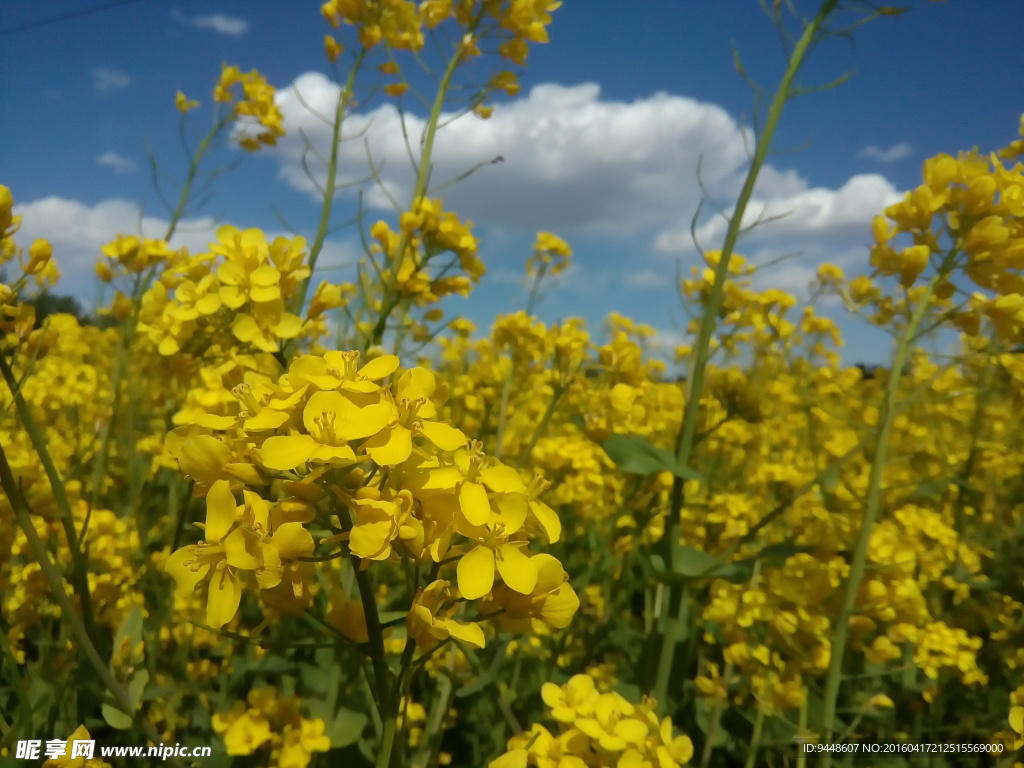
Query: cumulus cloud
point(810, 216)
point(570, 158)
point(893, 153)
point(116, 162)
point(77, 231)
point(574, 161)
point(106, 80)
point(218, 22)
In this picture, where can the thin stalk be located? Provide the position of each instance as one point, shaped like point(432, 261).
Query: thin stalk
point(538, 431)
point(886, 418)
point(329, 190)
point(79, 574)
point(755, 740)
point(393, 706)
point(695, 382)
point(531, 302)
point(63, 600)
point(130, 325)
point(506, 393)
point(419, 191)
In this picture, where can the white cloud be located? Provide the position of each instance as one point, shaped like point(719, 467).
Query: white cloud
point(116, 162)
point(811, 216)
point(575, 161)
point(77, 231)
point(895, 152)
point(218, 22)
point(106, 80)
point(571, 159)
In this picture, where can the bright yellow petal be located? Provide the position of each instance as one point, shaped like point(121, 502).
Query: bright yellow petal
point(473, 502)
point(224, 598)
point(186, 571)
point(355, 423)
point(390, 446)
point(220, 511)
point(371, 540)
point(548, 520)
point(476, 573)
point(336, 455)
point(293, 541)
point(416, 383)
point(517, 569)
point(502, 479)
point(511, 510)
point(289, 326)
point(266, 419)
point(241, 551)
point(444, 436)
point(202, 458)
point(212, 421)
point(467, 632)
point(284, 452)
point(517, 758)
point(379, 368)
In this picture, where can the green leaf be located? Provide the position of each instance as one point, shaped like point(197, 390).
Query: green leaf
point(703, 712)
point(131, 628)
point(636, 455)
point(830, 478)
point(694, 562)
point(347, 727)
point(137, 687)
point(116, 718)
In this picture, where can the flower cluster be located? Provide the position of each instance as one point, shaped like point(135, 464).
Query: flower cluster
point(392, 480)
point(236, 295)
point(268, 721)
point(598, 729)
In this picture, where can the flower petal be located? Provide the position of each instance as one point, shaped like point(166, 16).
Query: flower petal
point(473, 502)
point(284, 452)
point(224, 598)
point(220, 511)
point(476, 573)
point(517, 569)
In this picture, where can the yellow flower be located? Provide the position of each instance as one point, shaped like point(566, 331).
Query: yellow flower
point(476, 568)
point(183, 104)
point(332, 47)
point(216, 559)
point(426, 622)
point(331, 421)
point(575, 699)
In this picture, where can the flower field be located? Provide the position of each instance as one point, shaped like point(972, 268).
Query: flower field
point(316, 523)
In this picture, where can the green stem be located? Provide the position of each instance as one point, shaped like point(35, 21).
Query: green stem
point(695, 382)
point(131, 323)
point(506, 393)
point(63, 600)
point(419, 191)
point(79, 571)
point(886, 418)
point(393, 707)
point(331, 183)
point(531, 302)
point(755, 739)
point(538, 432)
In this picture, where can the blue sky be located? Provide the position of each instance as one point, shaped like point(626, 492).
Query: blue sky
point(600, 147)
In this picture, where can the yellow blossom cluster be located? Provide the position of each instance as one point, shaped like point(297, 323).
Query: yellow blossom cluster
point(269, 721)
point(597, 728)
point(236, 295)
point(401, 484)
